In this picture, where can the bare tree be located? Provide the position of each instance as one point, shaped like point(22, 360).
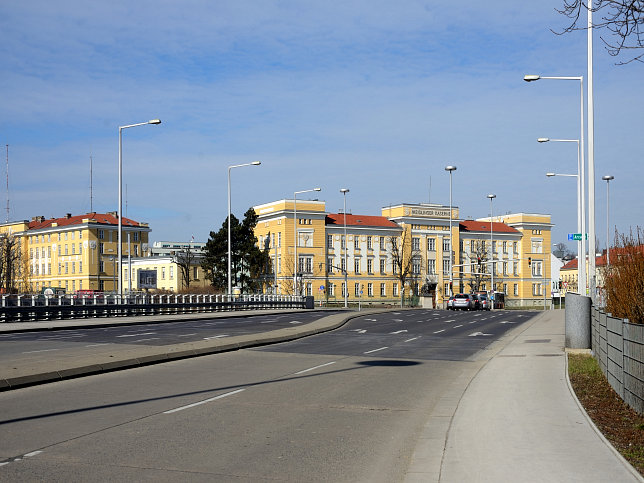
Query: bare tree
point(624, 19)
point(12, 265)
point(404, 256)
point(185, 260)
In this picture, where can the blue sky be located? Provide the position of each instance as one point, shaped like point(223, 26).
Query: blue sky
point(376, 96)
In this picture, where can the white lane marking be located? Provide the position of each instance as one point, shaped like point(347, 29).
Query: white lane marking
point(450, 320)
point(5, 463)
point(398, 332)
point(215, 337)
point(221, 396)
point(136, 335)
point(97, 345)
point(439, 331)
point(33, 453)
point(359, 331)
point(187, 335)
point(457, 326)
point(295, 322)
point(314, 368)
point(149, 338)
point(507, 322)
point(473, 322)
point(376, 350)
point(398, 320)
point(476, 334)
point(371, 320)
point(43, 350)
point(413, 338)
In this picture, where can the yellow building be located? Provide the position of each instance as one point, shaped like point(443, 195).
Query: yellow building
point(410, 238)
point(74, 252)
point(161, 273)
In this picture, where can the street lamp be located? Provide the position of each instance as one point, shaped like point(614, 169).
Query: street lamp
point(591, 175)
point(491, 197)
point(451, 252)
point(581, 207)
point(344, 191)
point(295, 240)
point(608, 178)
point(254, 163)
point(120, 204)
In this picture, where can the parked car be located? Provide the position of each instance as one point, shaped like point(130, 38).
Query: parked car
point(484, 302)
point(450, 303)
point(464, 301)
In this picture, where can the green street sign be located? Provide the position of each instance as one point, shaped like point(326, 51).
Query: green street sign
point(576, 236)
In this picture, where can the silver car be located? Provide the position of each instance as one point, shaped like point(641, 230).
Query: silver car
point(464, 301)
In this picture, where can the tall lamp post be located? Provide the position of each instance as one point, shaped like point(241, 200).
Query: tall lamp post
point(591, 174)
point(295, 240)
point(608, 178)
point(344, 191)
point(254, 163)
point(120, 204)
point(491, 197)
point(581, 208)
point(451, 251)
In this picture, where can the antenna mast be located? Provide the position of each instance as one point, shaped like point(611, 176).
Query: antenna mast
point(7, 183)
point(91, 198)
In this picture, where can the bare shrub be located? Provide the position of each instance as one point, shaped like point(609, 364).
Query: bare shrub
point(624, 279)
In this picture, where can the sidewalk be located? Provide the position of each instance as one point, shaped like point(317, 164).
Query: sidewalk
point(518, 420)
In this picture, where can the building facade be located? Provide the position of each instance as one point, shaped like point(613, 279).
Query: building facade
point(74, 252)
point(409, 250)
point(162, 273)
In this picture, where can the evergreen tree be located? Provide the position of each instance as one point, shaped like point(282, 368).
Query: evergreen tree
point(249, 264)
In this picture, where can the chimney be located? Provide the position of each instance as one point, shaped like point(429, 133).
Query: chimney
point(68, 215)
point(38, 219)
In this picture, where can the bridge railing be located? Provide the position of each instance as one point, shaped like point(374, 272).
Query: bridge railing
point(21, 308)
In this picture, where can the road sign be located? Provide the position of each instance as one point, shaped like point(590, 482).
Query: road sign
point(576, 236)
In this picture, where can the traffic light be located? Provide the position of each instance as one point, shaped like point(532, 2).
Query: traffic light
point(559, 284)
point(479, 260)
point(529, 261)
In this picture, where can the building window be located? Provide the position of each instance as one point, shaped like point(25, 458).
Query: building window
point(356, 242)
point(431, 244)
point(369, 265)
point(446, 289)
point(395, 289)
point(195, 273)
point(329, 241)
point(101, 234)
point(343, 242)
point(101, 267)
point(537, 246)
point(329, 264)
point(536, 289)
point(343, 264)
point(415, 243)
point(305, 265)
point(66, 268)
point(446, 264)
point(356, 290)
point(505, 288)
point(536, 268)
point(369, 243)
point(309, 287)
point(383, 290)
point(66, 249)
point(515, 268)
point(431, 267)
point(446, 244)
point(415, 266)
point(505, 268)
point(382, 243)
point(331, 289)
point(136, 236)
point(80, 267)
point(369, 290)
point(171, 273)
point(49, 268)
point(101, 248)
point(344, 289)
point(357, 265)
point(279, 240)
point(505, 247)
point(383, 265)
point(73, 267)
point(162, 273)
point(73, 249)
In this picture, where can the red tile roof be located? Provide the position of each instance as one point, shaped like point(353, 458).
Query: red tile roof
point(600, 261)
point(100, 218)
point(359, 220)
point(484, 226)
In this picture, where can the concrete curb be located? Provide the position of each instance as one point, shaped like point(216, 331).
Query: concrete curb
point(130, 358)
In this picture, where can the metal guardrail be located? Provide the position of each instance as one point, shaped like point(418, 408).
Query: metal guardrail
point(22, 308)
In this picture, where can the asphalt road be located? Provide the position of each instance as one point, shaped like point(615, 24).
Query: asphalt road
point(341, 406)
point(27, 344)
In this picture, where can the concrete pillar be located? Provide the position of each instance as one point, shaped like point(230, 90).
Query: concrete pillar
point(578, 321)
